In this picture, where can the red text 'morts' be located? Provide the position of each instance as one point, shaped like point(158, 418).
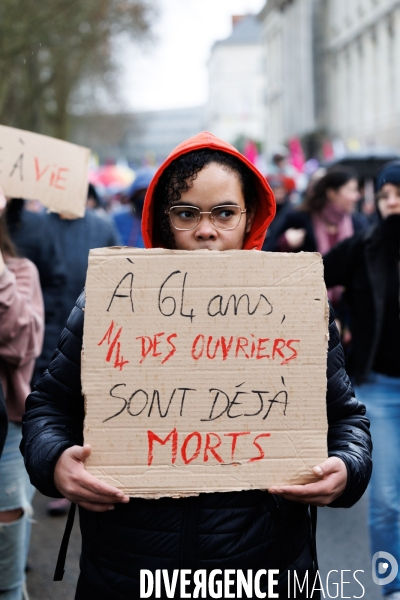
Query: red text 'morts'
point(203, 447)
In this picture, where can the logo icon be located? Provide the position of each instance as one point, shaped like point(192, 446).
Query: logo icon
point(380, 568)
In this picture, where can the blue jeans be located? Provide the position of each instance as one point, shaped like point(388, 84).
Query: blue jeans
point(381, 396)
point(15, 492)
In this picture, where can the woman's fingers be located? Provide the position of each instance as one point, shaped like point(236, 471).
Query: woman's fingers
point(76, 484)
point(321, 499)
point(91, 489)
point(333, 464)
point(80, 453)
point(333, 479)
point(100, 489)
point(322, 495)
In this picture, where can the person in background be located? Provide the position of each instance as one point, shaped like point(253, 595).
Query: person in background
point(35, 239)
point(21, 337)
point(3, 420)
point(205, 196)
point(282, 187)
point(75, 238)
point(367, 265)
point(95, 203)
point(312, 182)
point(326, 217)
point(3, 409)
point(128, 221)
point(278, 164)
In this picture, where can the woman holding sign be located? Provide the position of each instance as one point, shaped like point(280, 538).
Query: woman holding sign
point(205, 196)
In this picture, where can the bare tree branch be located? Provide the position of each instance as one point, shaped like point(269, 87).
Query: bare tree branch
point(48, 48)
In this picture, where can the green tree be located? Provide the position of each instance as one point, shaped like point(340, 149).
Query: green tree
point(48, 48)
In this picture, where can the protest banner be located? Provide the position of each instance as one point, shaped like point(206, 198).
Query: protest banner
point(38, 167)
point(204, 371)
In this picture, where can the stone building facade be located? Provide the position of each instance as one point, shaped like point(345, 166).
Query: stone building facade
point(236, 69)
point(333, 71)
point(363, 71)
point(290, 72)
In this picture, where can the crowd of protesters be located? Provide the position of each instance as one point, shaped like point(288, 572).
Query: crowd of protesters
point(43, 263)
point(361, 260)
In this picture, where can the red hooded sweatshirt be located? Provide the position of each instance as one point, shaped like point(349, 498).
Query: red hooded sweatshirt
point(265, 202)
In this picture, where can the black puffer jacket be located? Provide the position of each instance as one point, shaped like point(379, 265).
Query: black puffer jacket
point(241, 530)
point(364, 264)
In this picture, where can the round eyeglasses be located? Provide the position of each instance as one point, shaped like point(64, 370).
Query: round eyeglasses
point(224, 217)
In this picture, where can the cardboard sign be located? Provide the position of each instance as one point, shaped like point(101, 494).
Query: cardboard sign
point(204, 371)
point(37, 167)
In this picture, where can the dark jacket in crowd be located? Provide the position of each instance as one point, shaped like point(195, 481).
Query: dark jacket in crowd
point(298, 219)
point(3, 419)
point(75, 238)
point(275, 229)
point(236, 530)
point(35, 239)
point(367, 266)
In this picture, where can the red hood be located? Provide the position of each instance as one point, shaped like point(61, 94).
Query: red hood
point(265, 198)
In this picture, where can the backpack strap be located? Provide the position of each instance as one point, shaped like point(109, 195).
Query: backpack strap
point(313, 514)
point(62, 555)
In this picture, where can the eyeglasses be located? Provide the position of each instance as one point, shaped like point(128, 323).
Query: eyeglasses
point(224, 217)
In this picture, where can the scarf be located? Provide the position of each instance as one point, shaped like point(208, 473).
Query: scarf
point(331, 215)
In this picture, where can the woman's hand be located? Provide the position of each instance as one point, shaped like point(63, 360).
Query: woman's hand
point(75, 483)
point(333, 478)
point(295, 237)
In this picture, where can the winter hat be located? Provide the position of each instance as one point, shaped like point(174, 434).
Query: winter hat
point(142, 180)
point(389, 173)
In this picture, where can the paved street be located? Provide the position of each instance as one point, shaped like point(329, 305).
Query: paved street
point(342, 541)
point(342, 544)
point(47, 533)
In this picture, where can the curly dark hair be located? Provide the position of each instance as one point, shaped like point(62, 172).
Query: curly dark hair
point(179, 176)
point(334, 179)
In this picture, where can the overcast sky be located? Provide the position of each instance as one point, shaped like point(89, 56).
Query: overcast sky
point(171, 72)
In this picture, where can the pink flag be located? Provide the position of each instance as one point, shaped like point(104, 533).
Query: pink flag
point(296, 154)
point(250, 151)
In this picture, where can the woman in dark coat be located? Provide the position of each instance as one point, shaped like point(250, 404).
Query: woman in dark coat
point(326, 217)
point(367, 265)
point(235, 530)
